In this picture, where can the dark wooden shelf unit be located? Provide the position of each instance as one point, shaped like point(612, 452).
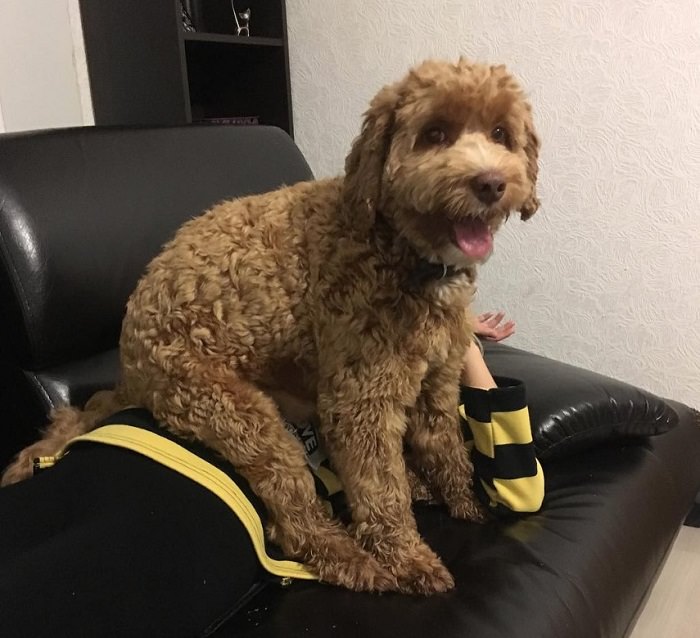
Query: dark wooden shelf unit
point(146, 69)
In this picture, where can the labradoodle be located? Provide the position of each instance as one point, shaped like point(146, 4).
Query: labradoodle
point(350, 293)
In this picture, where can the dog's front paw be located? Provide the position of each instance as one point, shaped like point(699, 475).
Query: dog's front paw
point(358, 573)
point(332, 554)
point(422, 572)
point(468, 508)
point(416, 568)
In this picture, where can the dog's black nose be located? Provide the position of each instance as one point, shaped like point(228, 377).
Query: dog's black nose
point(488, 186)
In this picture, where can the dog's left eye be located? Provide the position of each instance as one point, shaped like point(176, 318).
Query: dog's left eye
point(435, 135)
point(500, 135)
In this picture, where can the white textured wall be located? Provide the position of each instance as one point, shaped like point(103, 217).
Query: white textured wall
point(43, 74)
point(607, 275)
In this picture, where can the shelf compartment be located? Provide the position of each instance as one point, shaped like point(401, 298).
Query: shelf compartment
point(226, 81)
point(216, 16)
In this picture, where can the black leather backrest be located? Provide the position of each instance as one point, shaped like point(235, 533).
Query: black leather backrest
point(82, 211)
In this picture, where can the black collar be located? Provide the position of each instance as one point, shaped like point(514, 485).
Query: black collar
point(424, 271)
point(427, 272)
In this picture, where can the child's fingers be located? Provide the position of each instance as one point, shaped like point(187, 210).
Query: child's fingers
point(496, 319)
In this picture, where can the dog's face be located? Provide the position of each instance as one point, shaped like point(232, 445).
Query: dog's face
point(447, 153)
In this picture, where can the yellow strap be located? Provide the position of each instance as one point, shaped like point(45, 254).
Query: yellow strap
point(329, 480)
point(175, 457)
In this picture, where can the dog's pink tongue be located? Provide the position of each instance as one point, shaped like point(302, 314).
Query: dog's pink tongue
point(474, 238)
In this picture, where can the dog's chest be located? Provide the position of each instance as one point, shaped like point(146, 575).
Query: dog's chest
point(433, 338)
point(444, 328)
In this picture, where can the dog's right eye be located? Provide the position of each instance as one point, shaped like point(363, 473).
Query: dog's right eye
point(435, 135)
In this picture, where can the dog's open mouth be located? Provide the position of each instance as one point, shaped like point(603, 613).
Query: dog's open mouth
point(473, 237)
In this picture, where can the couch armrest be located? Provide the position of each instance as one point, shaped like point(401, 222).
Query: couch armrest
point(572, 409)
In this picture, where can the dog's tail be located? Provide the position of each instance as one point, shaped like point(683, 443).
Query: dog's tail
point(65, 423)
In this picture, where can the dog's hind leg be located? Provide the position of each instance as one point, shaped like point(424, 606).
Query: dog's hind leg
point(66, 423)
point(242, 423)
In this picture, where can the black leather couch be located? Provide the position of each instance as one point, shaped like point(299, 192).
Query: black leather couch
point(81, 213)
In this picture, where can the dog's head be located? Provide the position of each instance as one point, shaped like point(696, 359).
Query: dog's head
point(446, 154)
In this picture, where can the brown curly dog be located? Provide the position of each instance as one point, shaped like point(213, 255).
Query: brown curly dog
point(350, 293)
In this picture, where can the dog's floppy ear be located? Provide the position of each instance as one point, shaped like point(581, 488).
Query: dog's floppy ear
point(532, 148)
point(364, 165)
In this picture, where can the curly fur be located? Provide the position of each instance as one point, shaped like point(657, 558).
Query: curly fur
point(66, 423)
point(299, 296)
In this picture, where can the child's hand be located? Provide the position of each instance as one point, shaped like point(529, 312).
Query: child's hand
point(487, 326)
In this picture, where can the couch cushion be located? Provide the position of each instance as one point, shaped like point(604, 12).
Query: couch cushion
point(572, 409)
point(579, 568)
